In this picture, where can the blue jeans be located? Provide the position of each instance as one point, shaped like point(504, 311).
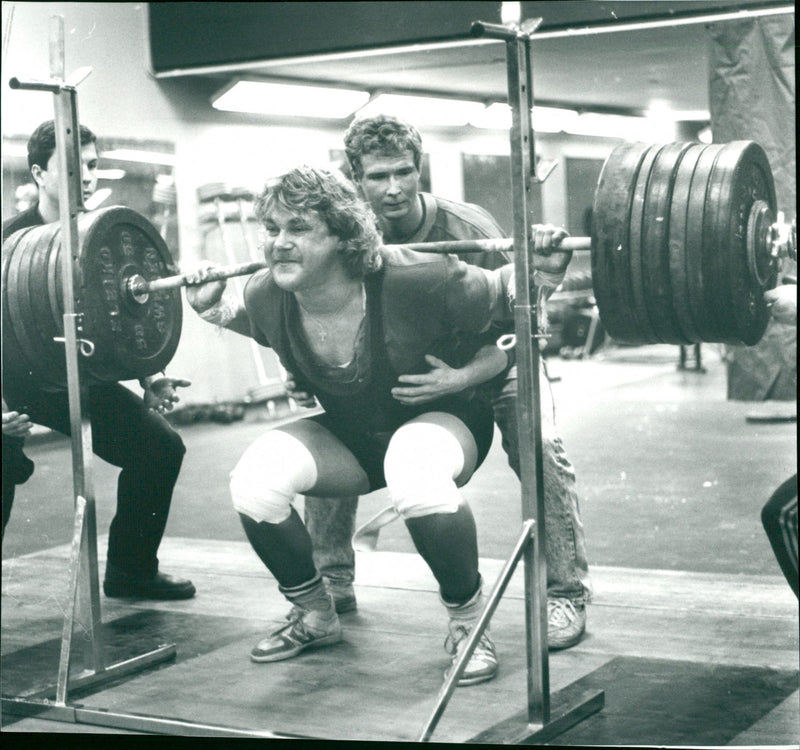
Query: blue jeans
point(331, 521)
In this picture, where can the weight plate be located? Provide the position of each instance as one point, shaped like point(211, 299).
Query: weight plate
point(132, 338)
point(678, 250)
point(14, 360)
point(610, 258)
point(704, 317)
point(18, 300)
point(637, 249)
point(49, 322)
point(655, 244)
point(741, 177)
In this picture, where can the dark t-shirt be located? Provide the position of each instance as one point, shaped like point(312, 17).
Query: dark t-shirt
point(28, 218)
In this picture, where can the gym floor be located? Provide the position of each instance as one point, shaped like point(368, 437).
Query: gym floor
point(692, 632)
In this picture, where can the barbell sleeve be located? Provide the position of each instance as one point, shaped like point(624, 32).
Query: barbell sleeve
point(138, 285)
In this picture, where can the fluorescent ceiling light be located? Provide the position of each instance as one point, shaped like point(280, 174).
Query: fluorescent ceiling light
point(145, 157)
point(10, 148)
point(659, 108)
point(110, 174)
point(620, 126)
point(423, 110)
point(497, 116)
point(510, 13)
point(265, 98)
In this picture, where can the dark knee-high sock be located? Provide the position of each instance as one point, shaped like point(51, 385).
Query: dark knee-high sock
point(285, 548)
point(448, 542)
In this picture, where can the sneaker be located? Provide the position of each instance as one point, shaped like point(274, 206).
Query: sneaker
point(344, 596)
point(482, 665)
point(566, 623)
point(306, 628)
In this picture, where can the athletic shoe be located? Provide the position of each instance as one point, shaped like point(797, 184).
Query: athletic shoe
point(344, 596)
point(482, 665)
point(306, 628)
point(566, 623)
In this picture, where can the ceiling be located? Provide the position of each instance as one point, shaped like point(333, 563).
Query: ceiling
point(620, 70)
point(624, 70)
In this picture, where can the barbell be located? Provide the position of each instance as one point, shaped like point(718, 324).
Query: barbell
point(683, 245)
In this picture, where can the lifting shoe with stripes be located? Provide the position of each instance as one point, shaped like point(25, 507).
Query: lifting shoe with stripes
point(482, 665)
point(306, 628)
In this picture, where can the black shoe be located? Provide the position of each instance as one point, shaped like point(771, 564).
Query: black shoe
point(160, 586)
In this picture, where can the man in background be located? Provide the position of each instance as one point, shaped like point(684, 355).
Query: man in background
point(127, 430)
point(385, 156)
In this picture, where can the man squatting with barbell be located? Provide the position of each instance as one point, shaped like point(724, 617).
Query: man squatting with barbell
point(385, 156)
point(346, 316)
point(128, 431)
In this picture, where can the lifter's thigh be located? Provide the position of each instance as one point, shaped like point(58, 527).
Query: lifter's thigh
point(338, 471)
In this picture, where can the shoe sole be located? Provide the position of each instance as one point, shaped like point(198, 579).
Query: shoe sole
point(164, 597)
point(467, 681)
point(327, 640)
point(566, 644)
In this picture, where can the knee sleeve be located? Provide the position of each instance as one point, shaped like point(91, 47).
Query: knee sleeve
point(274, 469)
point(421, 464)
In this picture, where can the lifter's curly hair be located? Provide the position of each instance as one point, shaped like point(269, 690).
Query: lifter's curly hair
point(335, 200)
point(381, 134)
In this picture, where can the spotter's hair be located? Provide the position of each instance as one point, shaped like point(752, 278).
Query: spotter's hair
point(383, 135)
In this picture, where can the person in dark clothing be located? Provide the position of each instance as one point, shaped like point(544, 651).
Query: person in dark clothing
point(779, 514)
point(127, 430)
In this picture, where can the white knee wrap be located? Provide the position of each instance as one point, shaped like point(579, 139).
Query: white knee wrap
point(421, 464)
point(273, 469)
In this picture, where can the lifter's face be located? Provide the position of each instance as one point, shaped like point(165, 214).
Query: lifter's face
point(48, 180)
point(300, 250)
point(390, 184)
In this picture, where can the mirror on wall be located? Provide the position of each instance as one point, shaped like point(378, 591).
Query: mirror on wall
point(137, 173)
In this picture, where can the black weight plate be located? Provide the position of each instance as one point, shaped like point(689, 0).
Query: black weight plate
point(47, 322)
point(49, 358)
point(715, 253)
point(16, 359)
point(18, 301)
point(637, 249)
point(678, 250)
point(655, 244)
point(744, 177)
point(132, 340)
point(611, 241)
point(704, 317)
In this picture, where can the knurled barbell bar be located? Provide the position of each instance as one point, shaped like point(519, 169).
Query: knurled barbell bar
point(683, 246)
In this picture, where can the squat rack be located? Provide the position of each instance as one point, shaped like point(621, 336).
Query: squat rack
point(543, 718)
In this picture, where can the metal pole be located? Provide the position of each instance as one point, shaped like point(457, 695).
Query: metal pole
point(528, 396)
point(70, 201)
